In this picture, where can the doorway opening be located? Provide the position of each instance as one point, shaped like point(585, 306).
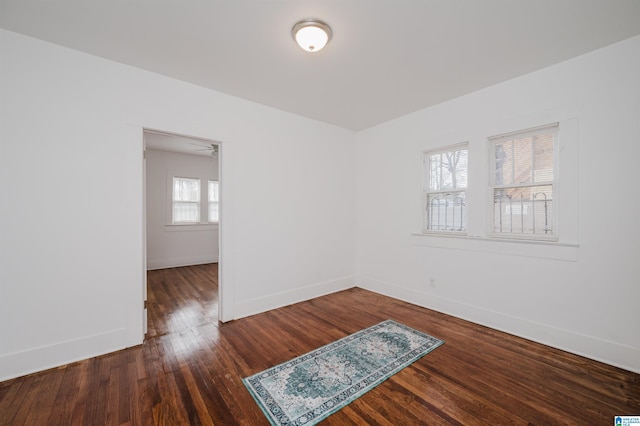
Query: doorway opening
point(181, 229)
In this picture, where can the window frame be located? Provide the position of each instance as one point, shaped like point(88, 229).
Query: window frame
point(427, 192)
point(492, 141)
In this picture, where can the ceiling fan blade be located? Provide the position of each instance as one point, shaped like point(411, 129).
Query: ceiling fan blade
point(201, 146)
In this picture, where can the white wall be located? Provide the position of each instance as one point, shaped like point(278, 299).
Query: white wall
point(71, 134)
point(583, 296)
point(71, 219)
point(168, 245)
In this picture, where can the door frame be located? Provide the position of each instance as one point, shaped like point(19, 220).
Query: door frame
point(225, 224)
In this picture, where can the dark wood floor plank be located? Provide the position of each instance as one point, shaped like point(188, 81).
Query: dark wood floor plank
point(27, 401)
point(12, 400)
point(189, 370)
point(64, 403)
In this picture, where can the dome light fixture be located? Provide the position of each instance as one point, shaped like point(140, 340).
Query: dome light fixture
point(311, 34)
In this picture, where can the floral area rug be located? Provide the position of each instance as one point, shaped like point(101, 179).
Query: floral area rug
point(309, 388)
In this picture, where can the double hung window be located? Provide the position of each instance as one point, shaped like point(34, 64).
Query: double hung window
point(522, 191)
point(523, 180)
point(186, 200)
point(444, 189)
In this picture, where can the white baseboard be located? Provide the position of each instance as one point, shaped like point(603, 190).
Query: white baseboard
point(177, 262)
point(605, 351)
point(273, 301)
point(43, 358)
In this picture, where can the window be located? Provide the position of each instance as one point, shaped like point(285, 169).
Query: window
point(214, 201)
point(522, 178)
point(186, 200)
point(444, 186)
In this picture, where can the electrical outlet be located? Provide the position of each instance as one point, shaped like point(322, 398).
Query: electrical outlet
point(432, 282)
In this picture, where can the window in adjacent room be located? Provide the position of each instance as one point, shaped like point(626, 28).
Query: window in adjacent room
point(523, 179)
point(186, 200)
point(444, 188)
point(214, 202)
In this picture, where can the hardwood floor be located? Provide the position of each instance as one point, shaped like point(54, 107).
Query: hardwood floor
point(189, 369)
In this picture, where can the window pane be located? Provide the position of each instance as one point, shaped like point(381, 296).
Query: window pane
point(185, 189)
point(185, 212)
point(448, 170)
point(523, 210)
point(543, 158)
point(446, 212)
point(525, 160)
point(214, 212)
point(213, 191)
point(214, 198)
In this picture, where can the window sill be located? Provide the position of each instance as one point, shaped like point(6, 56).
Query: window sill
point(526, 248)
point(191, 227)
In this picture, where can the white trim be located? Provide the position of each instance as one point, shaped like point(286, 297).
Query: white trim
point(190, 227)
point(62, 353)
point(177, 262)
point(273, 301)
point(511, 247)
point(524, 132)
point(226, 236)
point(602, 350)
point(455, 147)
point(134, 301)
point(428, 232)
point(446, 191)
point(521, 237)
point(141, 122)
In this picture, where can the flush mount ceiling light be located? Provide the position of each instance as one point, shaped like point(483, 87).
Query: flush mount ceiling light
point(311, 34)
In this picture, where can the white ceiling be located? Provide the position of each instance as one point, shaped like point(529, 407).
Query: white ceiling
point(387, 58)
